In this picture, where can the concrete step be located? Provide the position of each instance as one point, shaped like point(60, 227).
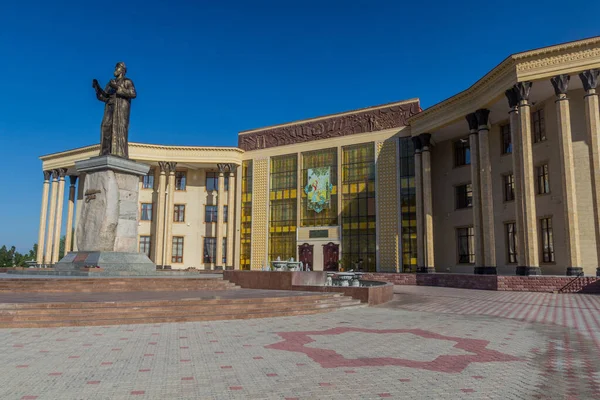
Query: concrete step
point(169, 319)
point(94, 313)
point(113, 285)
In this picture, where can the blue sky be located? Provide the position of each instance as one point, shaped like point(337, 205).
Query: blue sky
point(206, 70)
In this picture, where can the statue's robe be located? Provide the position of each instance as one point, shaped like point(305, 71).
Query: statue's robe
point(115, 123)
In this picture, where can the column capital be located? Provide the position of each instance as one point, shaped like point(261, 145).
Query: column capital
point(589, 79)
point(47, 175)
point(73, 179)
point(472, 121)
point(483, 118)
point(226, 167)
point(164, 167)
point(560, 83)
point(62, 172)
point(425, 141)
point(416, 144)
point(523, 89)
point(171, 166)
point(513, 98)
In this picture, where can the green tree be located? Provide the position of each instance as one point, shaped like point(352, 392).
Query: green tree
point(5, 258)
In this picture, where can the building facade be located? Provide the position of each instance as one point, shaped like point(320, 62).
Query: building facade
point(503, 177)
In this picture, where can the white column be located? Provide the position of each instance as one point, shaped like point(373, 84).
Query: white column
point(220, 202)
point(419, 201)
point(43, 216)
point(487, 197)
point(569, 195)
point(50, 234)
point(592, 116)
point(80, 189)
point(427, 203)
point(70, 208)
point(159, 240)
point(170, 205)
point(476, 187)
point(230, 215)
point(58, 221)
point(530, 233)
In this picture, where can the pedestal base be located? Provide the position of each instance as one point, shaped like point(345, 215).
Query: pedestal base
point(485, 271)
point(574, 271)
point(425, 270)
point(106, 263)
point(527, 271)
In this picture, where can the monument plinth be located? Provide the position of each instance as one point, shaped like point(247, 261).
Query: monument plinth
point(107, 230)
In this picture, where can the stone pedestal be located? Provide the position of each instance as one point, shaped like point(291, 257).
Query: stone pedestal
point(107, 230)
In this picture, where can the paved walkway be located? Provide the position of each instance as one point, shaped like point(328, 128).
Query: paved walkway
point(429, 343)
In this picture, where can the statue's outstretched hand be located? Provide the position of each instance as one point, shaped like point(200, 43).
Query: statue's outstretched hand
point(95, 84)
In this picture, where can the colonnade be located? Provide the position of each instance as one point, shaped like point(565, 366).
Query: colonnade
point(51, 216)
point(165, 203)
point(528, 250)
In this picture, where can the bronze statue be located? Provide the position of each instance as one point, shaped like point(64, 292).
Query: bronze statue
point(115, 124)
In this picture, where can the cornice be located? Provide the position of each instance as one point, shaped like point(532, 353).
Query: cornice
point(150, 152)
point(483, 92)
point(530, 65)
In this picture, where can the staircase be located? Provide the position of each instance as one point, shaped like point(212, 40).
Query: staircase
point(89, 285)
point(40, 303)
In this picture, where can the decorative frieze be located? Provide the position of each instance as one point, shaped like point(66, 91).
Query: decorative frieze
point(349, 124)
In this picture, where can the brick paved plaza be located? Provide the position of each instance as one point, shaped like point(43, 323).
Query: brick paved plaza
point(430, 343)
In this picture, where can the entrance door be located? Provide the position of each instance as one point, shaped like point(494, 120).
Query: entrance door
point(331, 256)
point(306, 255)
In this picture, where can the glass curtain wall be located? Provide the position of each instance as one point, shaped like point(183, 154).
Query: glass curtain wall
point(358, 207)
point(408, 204)
point(246, 223)
point(320, 159)
point(283, 207)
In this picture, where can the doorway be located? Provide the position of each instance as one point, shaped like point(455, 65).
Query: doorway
point(331, 256)
point(305, 252)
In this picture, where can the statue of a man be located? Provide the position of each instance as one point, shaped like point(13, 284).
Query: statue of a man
point(115, 124)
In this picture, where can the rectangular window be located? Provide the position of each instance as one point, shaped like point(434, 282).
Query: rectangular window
point(210, 250)
point(177, 249)
point(180, 180)
point(509, 187)
point(358, 207)
point(543, 179)
point(511, 242)
point(547, 240)
point(145, 245)
point(224, 251)
point(179, 213)
point(246, 215)
point(538, 126)
point(466, 245)
point(408, 204)
point(283, 206)
point(212, 181)
point(210, 214)
point(464, 196)
point(225, 208)
point(146, 214)
point(148, 180)
point(506, 139)
point(462, 152)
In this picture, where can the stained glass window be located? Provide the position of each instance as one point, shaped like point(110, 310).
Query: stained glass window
point(358, 207)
